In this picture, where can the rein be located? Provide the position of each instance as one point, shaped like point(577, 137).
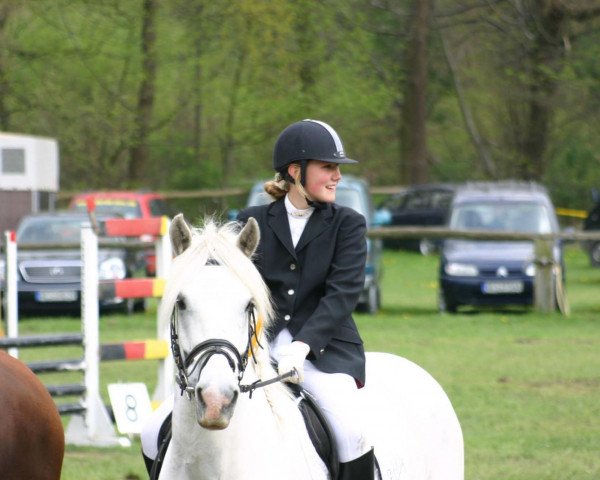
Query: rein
point(198, 357)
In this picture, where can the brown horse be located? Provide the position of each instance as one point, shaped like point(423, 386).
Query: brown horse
point(32, 439)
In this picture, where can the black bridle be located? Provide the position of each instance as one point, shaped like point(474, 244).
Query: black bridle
point(198, 357)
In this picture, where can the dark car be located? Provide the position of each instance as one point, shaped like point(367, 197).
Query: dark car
point(590, 224)
point(354, 193)
point(49, 264)
point(494, 273)
point(425, 205)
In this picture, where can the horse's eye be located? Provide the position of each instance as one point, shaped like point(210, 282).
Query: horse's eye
point(180, 303)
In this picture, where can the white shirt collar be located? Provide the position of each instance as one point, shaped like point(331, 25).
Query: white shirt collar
point(294, 212)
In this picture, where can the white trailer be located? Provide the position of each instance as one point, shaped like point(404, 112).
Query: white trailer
point(29, 176)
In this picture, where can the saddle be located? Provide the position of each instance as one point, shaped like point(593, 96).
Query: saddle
point(316, 425)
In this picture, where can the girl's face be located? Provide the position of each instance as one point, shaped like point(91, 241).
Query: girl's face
point(321, 181)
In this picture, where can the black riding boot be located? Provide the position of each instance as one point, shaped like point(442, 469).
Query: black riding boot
point(361, 468)
point(148, 462)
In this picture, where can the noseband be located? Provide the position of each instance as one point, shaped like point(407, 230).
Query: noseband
point(199, 356)
point(204, 350)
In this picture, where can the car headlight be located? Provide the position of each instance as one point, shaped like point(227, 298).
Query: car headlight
point(112, 269)
point(461, 270)
point(530, 270)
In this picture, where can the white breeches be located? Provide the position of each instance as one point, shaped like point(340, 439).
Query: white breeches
point(335, 393)
point(150, 430)
point(337, 396)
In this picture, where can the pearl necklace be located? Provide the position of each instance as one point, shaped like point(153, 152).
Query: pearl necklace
point(300, 213)
point(296, 212)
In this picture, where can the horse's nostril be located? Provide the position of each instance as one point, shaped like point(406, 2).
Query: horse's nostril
point(198, 393)
point(234, 398)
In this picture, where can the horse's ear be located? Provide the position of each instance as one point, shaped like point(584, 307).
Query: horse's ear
point(249, 237)
point(181, 235)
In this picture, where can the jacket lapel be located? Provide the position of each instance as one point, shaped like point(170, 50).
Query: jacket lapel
point(318, 221)
point(279, 224)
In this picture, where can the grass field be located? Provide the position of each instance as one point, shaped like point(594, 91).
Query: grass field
point(526, 386)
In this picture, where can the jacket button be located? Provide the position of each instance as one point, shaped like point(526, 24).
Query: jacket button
point(322, 351)
point(292, 266)
point(287, 318)
point(290, 291)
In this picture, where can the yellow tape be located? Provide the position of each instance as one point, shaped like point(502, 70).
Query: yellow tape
point(156, 349)
point(254, 339)
point(158, 287)
point(569, 212)
point(164, 225)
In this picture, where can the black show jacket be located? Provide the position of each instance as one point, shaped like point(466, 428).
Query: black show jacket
point(315, 286)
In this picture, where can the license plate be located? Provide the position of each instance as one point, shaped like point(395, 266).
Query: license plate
point(499, 287)
point(56, 296)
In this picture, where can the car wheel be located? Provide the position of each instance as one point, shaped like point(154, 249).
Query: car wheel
point(373, 299)
point(595, 254)
point(140, 305)
point(129, 306)
point(446, 305)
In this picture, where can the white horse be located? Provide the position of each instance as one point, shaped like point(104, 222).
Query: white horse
point(217, 309)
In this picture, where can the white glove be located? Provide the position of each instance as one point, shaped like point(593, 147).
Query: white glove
point(291, 357)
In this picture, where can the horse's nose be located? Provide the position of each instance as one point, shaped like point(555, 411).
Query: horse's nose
point(215, 406)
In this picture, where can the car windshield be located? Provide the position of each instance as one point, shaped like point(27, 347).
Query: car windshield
point(523, 217)
point(50, 230)
point(350, 198)
point(112, 207)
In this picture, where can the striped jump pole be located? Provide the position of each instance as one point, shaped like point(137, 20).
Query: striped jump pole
point(132, 288)
point(142, 350)
point(133, 227)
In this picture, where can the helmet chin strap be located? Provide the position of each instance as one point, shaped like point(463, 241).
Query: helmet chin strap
point(317, 205)
point(312, 203)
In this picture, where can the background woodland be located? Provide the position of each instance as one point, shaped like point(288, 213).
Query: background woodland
point(190, 94)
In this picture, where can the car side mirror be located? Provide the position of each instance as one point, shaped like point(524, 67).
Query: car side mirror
point(382, 217)
point(232, 214)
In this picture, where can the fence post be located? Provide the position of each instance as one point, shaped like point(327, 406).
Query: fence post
point(12, 295)
point(544, 288)
point(95, 427)
point(166, 367)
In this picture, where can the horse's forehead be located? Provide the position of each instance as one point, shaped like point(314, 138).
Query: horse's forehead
point(215, 282)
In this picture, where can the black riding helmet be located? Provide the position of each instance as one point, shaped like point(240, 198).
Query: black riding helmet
point(307, 140)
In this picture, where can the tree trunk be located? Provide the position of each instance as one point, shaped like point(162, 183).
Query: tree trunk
point(5, 11)
point(228, 142)
point(487, 162)
point(414, 166)
point(139, 150)
point(197, 126)
point(545, 60)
